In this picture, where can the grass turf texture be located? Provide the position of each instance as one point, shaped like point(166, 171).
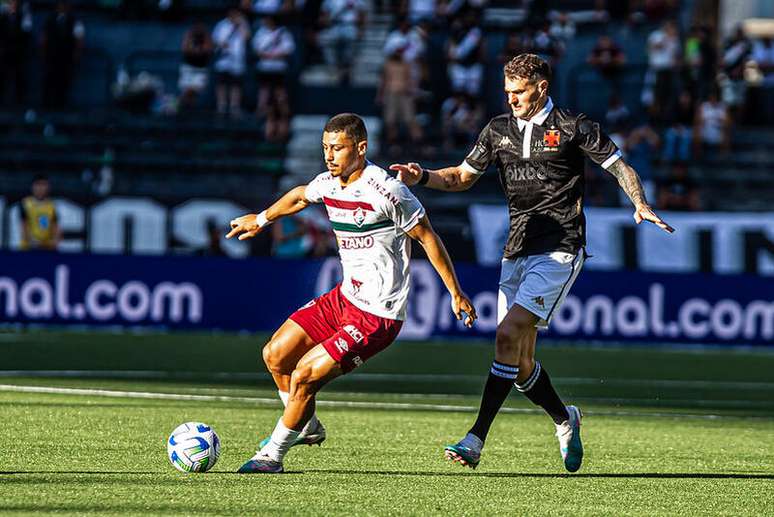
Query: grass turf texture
point(77, 454)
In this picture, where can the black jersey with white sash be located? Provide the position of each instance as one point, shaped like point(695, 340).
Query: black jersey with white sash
point(541, 167)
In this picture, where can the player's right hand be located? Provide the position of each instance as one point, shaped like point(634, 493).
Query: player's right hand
point(409, 173)
point(461, 304)
point(244, 226)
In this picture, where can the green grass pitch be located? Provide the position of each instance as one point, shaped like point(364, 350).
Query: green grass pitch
point(673, 446)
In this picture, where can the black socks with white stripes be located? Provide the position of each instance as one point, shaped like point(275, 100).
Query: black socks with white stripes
point(541, 392)
point(501, 378)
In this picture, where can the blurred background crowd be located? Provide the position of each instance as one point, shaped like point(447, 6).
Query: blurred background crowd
point(177, 99)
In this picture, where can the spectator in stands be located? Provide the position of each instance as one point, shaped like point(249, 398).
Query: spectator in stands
point(230, 38)
point(678, 191)
point(40, 225)
point(712, 127)
point(397, 95)
point(640, 148)
point(273, 46)
point(271, 7)
point(546, 46)
point(213, 247)
point(15, 41)
point(663, 62)
point(195, 68)
point(516, 43)
point(679, 135)
point(418, 11)
point(562, 28)
point(617, 116)
point(736, 52)
point(411, 43)
point(700, 58)
point(290, 238)
point(763, 55)
point(62, 45)
point(461, 121)
point(456, 9)
point(344, 21)
point(465, 56)
point(608, 59)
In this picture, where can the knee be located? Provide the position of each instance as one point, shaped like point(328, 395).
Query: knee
point(508, 340)
point(272, 356)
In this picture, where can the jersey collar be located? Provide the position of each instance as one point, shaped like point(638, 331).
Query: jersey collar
point(539, 118)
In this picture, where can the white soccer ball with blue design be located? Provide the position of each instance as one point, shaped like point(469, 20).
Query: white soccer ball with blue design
point(193, 447)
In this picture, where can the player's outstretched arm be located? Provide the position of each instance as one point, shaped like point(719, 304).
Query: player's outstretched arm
point(249, 225)
point(630, 183)
point(439, 258)
point(450, 179)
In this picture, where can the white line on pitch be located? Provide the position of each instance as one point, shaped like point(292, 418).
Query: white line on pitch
point(329, 403)
point(385, 377)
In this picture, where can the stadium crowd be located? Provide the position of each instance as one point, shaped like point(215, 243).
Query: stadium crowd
point(435, 88)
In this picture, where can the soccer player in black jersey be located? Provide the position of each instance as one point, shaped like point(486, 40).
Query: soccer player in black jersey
point(539, 152)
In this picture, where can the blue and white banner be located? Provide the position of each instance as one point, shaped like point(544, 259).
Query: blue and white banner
point(719, 242)
point(258, 294)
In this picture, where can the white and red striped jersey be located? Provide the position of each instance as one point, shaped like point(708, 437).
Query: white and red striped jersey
point(370, 218)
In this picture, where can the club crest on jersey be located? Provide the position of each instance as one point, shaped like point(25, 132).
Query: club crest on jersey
point(356, 284)
point(359, 216)
point(551, 140)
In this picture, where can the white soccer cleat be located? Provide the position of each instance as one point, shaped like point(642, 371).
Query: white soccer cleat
point(568, 433)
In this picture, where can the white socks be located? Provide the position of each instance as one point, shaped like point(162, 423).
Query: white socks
point(279, 444)
point(471, 441)
point(311, 425)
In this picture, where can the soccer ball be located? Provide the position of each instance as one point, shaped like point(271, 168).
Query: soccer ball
point(193, 447)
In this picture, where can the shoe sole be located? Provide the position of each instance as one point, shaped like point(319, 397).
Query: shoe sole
point(301, 441)
point(454, 456)
point(574, 464)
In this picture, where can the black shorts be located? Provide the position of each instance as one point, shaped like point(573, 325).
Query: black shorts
point(270, 80)
point(228, 79)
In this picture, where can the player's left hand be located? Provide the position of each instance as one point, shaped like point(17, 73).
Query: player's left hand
point(461, 304)
point(646, 213)
point(245, 227)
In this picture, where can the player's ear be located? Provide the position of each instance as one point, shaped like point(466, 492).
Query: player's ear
point(543, 87)
point(362, 147)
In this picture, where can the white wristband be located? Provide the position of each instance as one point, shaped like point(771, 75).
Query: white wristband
point(261, 220)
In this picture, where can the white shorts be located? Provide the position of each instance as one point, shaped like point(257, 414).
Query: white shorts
point(539, 283)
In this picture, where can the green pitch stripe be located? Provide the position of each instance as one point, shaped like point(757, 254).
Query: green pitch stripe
point(347, 227)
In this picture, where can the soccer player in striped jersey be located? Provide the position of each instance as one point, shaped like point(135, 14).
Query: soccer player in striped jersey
point(372, 215)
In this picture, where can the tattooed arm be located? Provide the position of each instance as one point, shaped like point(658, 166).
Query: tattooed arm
point(450, 179)
point(630, 183)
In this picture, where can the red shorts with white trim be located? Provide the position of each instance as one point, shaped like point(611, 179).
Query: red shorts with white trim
point(350, 335)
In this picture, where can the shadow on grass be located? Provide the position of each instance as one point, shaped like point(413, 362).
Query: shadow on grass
point(461, 473)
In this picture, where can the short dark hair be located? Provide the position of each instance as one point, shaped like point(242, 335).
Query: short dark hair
point(528, 66)
point(39, 177)
point(351, 124)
